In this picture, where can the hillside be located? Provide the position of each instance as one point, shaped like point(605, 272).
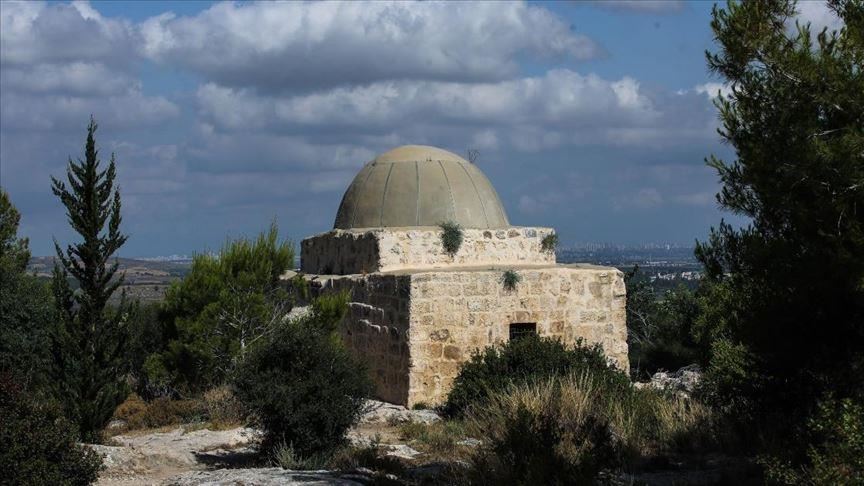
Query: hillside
point(146, 280)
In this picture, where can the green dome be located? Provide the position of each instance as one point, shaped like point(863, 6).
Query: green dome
point(418, 185)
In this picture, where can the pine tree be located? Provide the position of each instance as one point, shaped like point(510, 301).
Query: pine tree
point(788, 305)
point(89, 339)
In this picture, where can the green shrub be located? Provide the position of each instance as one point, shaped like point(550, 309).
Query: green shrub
point(303, 387)
point(451, 237)
point(147, 334)
point(286, 457)
point(836, 453)
point(519, 361)
point(566, 429)
point(37, 444)
point(509, 279)
point(542, 433)
point(549, 243)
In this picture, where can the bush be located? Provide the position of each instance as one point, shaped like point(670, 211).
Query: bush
point(519, 361)
point(836, 453)
point(451, 237)
point(223, 408)
point(303, 387)
point(565, 430)
point(163, 411)
point(37, 444)
point(147, 335)
point(549, 243)
point(509, 279)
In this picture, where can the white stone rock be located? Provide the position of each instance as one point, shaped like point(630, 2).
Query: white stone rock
point(401, 451)
point(383, 412)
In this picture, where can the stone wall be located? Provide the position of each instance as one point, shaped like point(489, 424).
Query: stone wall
point(376, 327)
point(415, 328)
point(454, 313)
point(340, 252)
point(344, 252)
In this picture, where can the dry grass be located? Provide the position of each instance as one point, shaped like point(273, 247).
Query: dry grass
point(224, 410)
point(438, 441)
point(569, 428)
point(218, 409)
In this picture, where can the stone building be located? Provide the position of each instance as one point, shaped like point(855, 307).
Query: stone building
point(416, 311)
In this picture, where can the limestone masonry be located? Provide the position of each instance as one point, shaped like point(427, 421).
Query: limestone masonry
point(416, 312)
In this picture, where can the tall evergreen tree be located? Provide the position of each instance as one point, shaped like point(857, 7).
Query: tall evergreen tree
point(788, 306)
point(90, 338)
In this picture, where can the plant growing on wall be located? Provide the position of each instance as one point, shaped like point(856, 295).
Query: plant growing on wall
point(549, 243)
point(509, 279)
point(451, 237)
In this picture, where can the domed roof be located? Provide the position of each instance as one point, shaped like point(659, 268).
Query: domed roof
point(418, 185)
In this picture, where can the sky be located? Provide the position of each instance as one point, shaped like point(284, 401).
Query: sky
point(591, 117)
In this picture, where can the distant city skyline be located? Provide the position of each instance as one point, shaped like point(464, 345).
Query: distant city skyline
point(590, 117)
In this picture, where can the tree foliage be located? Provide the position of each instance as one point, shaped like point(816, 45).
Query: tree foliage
point(663, 332)
point(14, 251)
point(224, 305)
point(26, 312)
point(38, 445)
point(302, 384)
point(89, 340)
point(787, 311)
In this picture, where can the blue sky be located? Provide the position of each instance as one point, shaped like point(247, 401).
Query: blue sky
point(592, 117)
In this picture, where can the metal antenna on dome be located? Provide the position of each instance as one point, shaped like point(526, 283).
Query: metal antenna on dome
point(473, 154)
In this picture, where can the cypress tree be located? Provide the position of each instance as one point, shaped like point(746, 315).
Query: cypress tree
point(90, 338)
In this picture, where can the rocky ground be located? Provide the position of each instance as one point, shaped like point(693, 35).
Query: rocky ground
point(182, 456)
point(193, 456)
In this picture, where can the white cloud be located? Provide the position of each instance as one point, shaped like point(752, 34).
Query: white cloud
point(60, 63)
point(35, 32)
point(82, 78)
point(19, 111)
point(818, 15)
point(536, 112)
point(711, 89)
point(484, 139)
point(276, 46)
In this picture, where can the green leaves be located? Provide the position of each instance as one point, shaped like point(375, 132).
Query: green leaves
point(451, 237)
point(785, 303)
point(89, 342)
point(510, 279)
point(227, 303)
point(304, 387)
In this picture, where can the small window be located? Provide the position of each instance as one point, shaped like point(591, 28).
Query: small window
point(519, 330)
